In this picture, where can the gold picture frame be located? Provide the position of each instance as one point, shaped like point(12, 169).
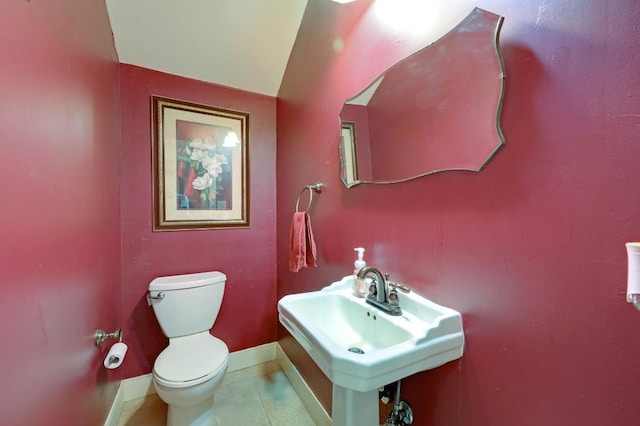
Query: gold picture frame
point(200, 162)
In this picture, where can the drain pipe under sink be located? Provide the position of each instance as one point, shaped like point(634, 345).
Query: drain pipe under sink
point(401, 414)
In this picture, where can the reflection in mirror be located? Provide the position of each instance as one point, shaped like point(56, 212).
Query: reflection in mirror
point(436, 110)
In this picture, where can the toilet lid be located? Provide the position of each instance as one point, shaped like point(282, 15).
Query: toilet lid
point(190, 360)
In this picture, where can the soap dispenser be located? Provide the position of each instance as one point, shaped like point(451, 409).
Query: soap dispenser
point(359, 284)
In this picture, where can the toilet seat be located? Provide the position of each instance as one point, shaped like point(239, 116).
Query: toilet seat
point(191, 360)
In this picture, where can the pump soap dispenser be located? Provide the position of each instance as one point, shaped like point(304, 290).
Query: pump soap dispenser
point(359, 284)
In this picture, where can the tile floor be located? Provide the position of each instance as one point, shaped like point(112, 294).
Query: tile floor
point(254, 396)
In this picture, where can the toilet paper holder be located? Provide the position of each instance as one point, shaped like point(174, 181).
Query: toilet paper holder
point(102, 335)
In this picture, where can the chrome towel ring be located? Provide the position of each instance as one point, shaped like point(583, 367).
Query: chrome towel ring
point(316, 187)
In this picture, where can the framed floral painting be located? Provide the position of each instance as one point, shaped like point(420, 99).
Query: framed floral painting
point(200, 162)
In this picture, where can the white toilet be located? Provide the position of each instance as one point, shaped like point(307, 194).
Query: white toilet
point(187, 372)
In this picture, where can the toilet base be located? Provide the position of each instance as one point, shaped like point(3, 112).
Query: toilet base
point(201, 414)
point(190, 406)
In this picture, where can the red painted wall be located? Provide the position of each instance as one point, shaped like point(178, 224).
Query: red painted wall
point(247, 256)
point(530, 250)
point(60, 220)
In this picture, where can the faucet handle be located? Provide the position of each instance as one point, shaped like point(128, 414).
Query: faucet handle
point(373, 290)
point(403, 288)
point(393, 297)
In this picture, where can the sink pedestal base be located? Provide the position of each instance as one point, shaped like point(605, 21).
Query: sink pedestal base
point(352, 408)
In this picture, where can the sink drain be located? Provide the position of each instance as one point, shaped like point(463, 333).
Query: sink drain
point(356, 350)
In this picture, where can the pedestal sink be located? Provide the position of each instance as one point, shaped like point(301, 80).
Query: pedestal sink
point(360, 348)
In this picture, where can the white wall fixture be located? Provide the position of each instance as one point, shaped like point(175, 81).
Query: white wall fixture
point(633, 275)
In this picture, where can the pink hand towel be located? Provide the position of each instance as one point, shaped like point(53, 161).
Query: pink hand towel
point(302, 249)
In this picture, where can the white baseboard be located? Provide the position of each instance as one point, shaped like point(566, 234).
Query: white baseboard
point(116, 408)
point(252, 356)
point(141, 386)
point(138, 387)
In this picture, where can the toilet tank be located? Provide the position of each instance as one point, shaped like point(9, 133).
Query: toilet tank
point(187, 304)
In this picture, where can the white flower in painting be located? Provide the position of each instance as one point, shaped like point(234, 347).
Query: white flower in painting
point(210, 143)
point(202, 182)
point(198, 154)
point(197, 143)
point(222, 158)
point(203, 144)
point(212, 165)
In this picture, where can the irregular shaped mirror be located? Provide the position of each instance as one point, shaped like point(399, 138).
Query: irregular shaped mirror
point(436, 110)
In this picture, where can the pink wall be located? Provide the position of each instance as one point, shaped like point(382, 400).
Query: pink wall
point(60, 221)
point(247, 256)
point(530, 250)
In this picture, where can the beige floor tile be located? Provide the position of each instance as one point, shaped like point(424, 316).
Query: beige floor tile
point(278, 396)
point(245, 373)
point(149, 411)
point(239, 404)
point(299, 417)
point(254, 396)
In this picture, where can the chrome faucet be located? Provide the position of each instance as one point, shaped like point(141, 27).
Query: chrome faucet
point(379, 294)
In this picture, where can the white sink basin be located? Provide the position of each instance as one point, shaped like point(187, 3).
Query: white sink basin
point(330, 322)
point(347, 323)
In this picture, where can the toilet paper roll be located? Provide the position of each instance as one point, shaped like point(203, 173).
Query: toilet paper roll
point(115, 356)
point(633, 275)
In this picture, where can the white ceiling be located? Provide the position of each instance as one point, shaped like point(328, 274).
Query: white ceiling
point(244, 44)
